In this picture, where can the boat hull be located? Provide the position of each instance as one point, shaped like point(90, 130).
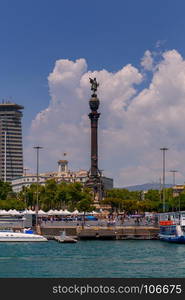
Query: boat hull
point(178, 239)
point(172, 227)
point(21, 240)
point(21, 237)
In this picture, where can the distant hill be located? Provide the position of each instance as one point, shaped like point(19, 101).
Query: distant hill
point(146, 187)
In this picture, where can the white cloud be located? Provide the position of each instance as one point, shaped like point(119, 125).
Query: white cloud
point(147, 61)
point(133, 125)
point(160, 43)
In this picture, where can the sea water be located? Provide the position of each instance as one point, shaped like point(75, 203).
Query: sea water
point(109, 259)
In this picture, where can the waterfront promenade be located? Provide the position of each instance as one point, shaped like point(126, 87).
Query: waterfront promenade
point(97, 231)
point(117, 229)
point(102, 222)
point(103, 233)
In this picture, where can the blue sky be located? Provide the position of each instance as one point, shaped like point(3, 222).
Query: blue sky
point(107, 34)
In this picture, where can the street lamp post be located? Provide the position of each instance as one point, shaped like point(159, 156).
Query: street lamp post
point(173, 181)
point(163, 150)
point(173, 174)
point(160, 188)
point(37, 191)
point(179, 204)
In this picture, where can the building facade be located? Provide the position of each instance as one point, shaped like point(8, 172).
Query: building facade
point(178, 189)
point(11, 150)
point(26, 181)
point(63, 175)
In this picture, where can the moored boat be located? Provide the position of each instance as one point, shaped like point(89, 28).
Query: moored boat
point(63, 238)
point(26, 236)
point(172, 227)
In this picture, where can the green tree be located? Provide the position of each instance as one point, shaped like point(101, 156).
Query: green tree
point(48, 195)
point(5, 188)
point(119, 194)
point(12, 204)
point(152, 195)
point(178, 202)
point(62, 196)
point(115, 203)
point(85, 205)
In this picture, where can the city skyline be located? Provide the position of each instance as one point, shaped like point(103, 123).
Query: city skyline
point(141, 70)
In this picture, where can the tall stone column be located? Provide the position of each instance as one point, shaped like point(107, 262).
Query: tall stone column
point(94, 116)
point(94, 175)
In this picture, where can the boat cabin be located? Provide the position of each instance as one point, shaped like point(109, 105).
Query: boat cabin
point(172, 218)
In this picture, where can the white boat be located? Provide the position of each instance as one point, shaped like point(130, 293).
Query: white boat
point(11, 236)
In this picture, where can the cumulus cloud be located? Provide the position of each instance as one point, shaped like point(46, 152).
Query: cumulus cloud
point(147, 61)
point(134, 123)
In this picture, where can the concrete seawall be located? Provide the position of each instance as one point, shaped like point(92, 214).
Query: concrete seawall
point(114, 233)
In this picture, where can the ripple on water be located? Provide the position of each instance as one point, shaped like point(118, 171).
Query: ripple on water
point(92, 259)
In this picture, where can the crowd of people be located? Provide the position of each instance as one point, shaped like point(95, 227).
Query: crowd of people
point(110, 219)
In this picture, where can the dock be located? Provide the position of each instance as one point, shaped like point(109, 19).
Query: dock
point(120, 233)
point(102, 233)
point(66, 239)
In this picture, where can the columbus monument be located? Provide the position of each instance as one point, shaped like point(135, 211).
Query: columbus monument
point(95, 177)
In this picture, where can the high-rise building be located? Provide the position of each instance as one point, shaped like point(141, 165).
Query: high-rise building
point(11, 150)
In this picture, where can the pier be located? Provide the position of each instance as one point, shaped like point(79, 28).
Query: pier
point(103, 233)
point(66, 239)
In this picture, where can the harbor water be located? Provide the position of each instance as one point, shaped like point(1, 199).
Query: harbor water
point(109, 259)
